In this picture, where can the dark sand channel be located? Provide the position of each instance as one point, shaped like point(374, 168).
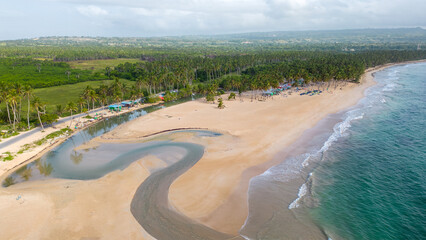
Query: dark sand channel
point(151, 208)
point(150, 205)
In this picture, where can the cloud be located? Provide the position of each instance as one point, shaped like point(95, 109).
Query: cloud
point(187, 17)
point(224, 16)
point(91, 10)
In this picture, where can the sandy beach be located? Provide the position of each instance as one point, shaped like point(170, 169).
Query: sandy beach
point(213, 192)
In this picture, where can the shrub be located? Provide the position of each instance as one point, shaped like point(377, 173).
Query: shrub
point(231, 96)
point(210, 98)
point(220, 105)
point(153, 99)
point(170, 96)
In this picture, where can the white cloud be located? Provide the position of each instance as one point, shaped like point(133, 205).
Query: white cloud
point(183, 17)
point(91, 10)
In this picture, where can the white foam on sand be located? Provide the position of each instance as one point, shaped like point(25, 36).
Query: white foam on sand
point(302, 192)
point(339, 130)
point(373, 96)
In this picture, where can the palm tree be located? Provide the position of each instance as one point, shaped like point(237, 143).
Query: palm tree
point(13, 99)
point(80, 102)
point(133, 95)
point(117, 97)
point(4, 98)
point(103, 99)
point(86, 93)
point(93, 97)
point(139, 96)
point(18, 89)
point(108, 72)
point(71, 107)
point(37, 104)
point(28, 93)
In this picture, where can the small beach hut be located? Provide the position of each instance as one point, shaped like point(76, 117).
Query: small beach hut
point(267, 93)
point(114, 107)
point(127, 103)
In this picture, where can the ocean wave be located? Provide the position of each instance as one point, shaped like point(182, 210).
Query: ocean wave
point(338, 131)
point(303, 190)
point(373, 96)
point(389, 87)
point(245, 237)
point(283, 172)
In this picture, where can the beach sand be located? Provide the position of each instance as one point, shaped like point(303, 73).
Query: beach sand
point(213, 192)
point(254, 131)
point(71, 209)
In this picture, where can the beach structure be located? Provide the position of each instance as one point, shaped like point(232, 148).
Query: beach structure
point(285, 86)
point(267, 93)
point(127, 103)
point(161, 96)
point(114, 107)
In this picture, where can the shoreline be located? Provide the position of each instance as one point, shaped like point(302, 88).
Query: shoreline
point(30, 155)
point(206, 188)
point(227, 198)
point(37, 152)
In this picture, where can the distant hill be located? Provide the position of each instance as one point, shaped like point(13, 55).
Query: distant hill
point(354, 36)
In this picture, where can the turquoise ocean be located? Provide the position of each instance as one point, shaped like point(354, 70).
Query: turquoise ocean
point(371, 182)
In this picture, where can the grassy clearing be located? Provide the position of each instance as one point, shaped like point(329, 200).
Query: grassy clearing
point(65, 93)
point(41, 74)
point(98, 65)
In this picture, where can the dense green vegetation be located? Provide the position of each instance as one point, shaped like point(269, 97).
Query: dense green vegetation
point(100, 71)
point(38, 74)
point(100, 65)
point(61, 95)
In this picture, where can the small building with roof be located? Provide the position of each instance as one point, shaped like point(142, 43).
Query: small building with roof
point(114, 107)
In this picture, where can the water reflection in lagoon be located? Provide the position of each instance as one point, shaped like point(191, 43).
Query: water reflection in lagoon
point(67, 162)
point(43, 168)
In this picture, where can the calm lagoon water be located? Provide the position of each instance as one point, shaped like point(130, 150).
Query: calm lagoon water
point(65, 162)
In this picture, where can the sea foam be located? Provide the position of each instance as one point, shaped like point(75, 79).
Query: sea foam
point(339, 130)
point(302, 192)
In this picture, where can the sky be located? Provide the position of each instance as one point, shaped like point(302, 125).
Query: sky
point(145, 18)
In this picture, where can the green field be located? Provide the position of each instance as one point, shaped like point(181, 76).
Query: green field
point(65, 93)
point(100, 64)
point(42, 74)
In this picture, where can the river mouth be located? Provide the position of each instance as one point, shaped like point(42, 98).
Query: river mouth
point(150, 205)
point(69, 161)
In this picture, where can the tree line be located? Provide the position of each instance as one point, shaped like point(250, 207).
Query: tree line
point(176, 72)
point(181, 75)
